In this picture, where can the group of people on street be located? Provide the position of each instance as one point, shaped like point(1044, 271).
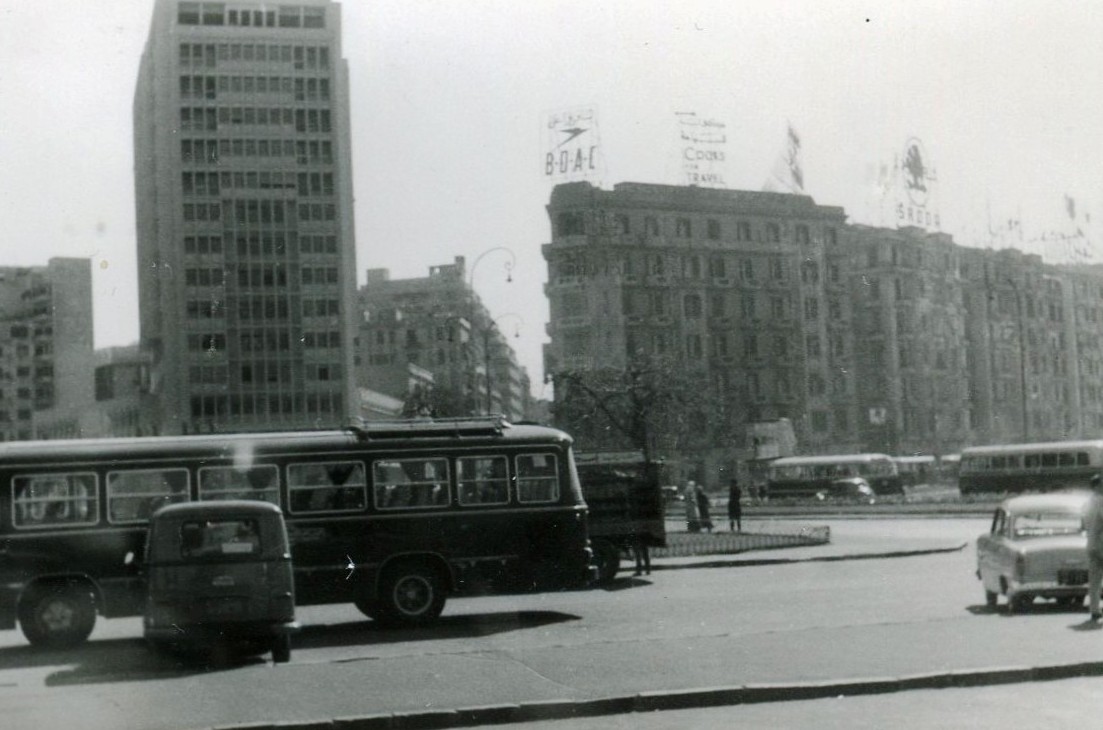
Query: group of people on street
point(698, 507)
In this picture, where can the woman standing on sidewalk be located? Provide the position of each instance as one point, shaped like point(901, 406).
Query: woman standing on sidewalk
point(693, 523)
point(703, 507)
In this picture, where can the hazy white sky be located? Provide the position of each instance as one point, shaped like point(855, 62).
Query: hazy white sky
point(448, 98)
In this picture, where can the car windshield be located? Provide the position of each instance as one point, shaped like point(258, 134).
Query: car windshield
point(1045, 524)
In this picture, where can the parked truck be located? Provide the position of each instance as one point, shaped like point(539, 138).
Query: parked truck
point(624, 494)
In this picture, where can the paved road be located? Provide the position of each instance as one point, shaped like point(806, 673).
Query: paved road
point(683, 628)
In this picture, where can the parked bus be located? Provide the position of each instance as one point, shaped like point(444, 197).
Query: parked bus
point(806, 476)
point(625, 498)
point(392, 517)
point(1029, 467)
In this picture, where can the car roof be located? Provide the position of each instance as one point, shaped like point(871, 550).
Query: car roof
point(1072, 499)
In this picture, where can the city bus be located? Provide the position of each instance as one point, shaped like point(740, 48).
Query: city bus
point(1010, 468)
point(393, 517)
point(806, 476)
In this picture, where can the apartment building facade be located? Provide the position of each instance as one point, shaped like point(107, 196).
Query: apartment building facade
point(866, 339)
point(46, 343)
point(432, 334)
point(246, 255)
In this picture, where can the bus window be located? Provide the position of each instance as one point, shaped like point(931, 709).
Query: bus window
point(537, 478)
point(229, 482)
point(1066, 459)
point(1033, 461)
point(1049, 459)
point(999, 462)
point(327, 486)
point(482, 480)
point(42, 500)
point(1082, 459)
point(410, 483)
point(132, 496)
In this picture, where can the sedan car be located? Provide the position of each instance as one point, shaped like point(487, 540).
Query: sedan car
point(1036, 548)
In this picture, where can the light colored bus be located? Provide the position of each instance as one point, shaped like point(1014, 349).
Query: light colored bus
point(392, 517)
point(1012, 468)
point(805, 476)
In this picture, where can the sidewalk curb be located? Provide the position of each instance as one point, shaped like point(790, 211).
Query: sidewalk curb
point(742, 562)
point(687, 699)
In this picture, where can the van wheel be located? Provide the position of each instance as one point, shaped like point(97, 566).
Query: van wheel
point(281, 649)
point(411, 594)
point(607, 557)
point(58, 616)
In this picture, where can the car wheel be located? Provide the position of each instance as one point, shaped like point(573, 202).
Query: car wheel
point(57, 616)
point(411, 594)
point(1019, 603)
point(281, 649)
point(991, 598)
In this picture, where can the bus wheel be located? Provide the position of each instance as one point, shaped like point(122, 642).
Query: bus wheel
point(411, 594)
point(281, 649)
point(57, 616)
point(607, 556)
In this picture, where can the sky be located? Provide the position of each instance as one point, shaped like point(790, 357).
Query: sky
point(450, 99)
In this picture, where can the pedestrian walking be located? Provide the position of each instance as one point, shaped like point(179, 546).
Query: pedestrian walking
point(703, 508)
point(642, 553)
point(1093, 524)
point(735, 506)
point(693, 521)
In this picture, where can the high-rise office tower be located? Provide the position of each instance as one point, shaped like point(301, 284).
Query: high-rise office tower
point(246, 252)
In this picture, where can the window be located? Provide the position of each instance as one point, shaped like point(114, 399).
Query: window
point(651, 225)
point(802, 238)
point(188, 14)
point(410, 483)
point(773, 233)
point(811, 308)
point(692, 306)
point(132, 496)
point(482, 480)
point(48, 500)
point(219, 538)
point(328, 486)
point(537, 478)
point(819, 421)
point(713, 229)
point(743, 231)
point(229, 482)
point(683, 229)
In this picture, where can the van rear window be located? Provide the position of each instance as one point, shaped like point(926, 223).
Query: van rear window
point(219, 538)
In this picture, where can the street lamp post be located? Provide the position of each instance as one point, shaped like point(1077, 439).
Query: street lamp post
point(509, 265)
point(493, 325)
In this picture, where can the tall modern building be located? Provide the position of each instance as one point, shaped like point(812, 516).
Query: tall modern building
point(246, 253)
point(45, 350)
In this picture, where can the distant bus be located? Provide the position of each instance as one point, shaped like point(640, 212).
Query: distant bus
point(1011, 468)
point(392, 517)
point(626, 505)
point(806, 476)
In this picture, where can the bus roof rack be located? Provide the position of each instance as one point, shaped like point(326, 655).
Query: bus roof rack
point(492, 425)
